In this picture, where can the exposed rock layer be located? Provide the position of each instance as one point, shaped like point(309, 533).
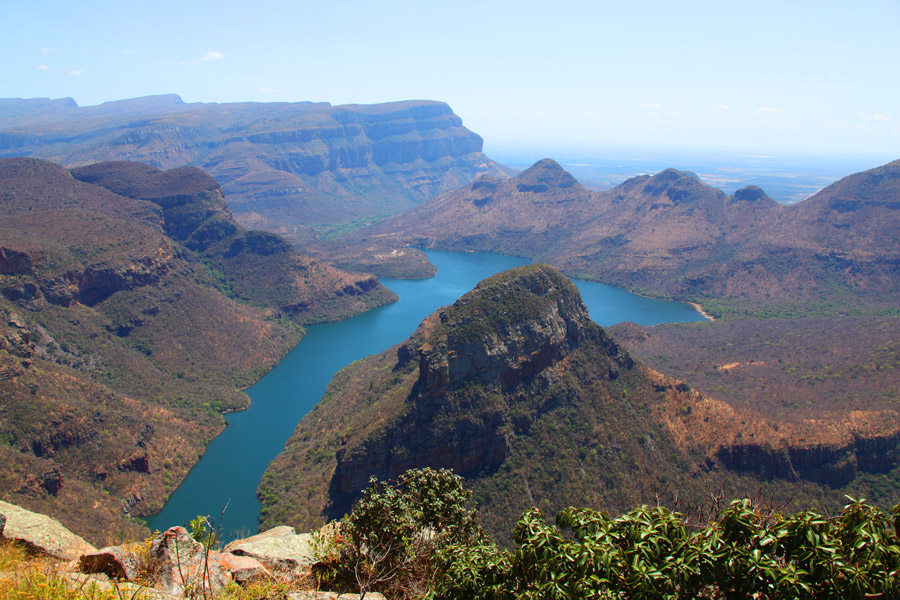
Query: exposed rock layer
point(283, 166)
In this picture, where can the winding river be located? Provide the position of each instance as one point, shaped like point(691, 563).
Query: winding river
point(229, 472)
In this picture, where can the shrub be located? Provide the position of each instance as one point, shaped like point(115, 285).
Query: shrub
point(391, 539)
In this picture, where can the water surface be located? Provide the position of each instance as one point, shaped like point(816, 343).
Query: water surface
point(229, 472)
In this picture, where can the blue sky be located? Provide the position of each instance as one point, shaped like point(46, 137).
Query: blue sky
point(766, 77)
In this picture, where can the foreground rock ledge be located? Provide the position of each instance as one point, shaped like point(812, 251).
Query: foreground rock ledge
point(39, 533)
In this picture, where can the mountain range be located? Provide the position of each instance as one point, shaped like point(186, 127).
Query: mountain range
point(672, 235)
point(297, 169)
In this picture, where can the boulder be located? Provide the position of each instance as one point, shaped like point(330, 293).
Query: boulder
point(185, 565)
point(114, 562)
point(245, 569)
point(281, 548)
point(42, 534)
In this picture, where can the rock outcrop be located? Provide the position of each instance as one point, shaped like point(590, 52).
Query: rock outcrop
point(41, 533)
point(475, 389)
point(502, 338)
point(113, 561)
point(178, 565)
point(184, 563)
point(281, 548)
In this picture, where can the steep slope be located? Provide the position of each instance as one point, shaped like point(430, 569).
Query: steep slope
point(283, 166)
point(257, 267)
point(118, 350)
point(527, 214)
point(517, 390)
point(671, 234)
point(854, 219)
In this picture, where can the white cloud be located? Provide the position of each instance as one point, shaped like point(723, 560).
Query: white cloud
point(768, 109)
point(76, 71)
point(48, 50)
point(876, 117)
point(651, 105)
point(722, 107)
point(212, 55)
point(43, 68)
point(209, 56)
point(128, 51)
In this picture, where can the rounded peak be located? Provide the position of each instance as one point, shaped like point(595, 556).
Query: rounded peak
point(510, 298)
point(752, 193)
point(679, 186)
point(21, 166)
point(878, 186)
point(138, 180)
point(546, 164)
point(536, 278)
point(546, 172)
point(674, 175)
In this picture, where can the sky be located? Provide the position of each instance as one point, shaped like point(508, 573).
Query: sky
point(763, 77)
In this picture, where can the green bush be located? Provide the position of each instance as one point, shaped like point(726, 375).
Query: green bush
point(652, 553)
point(391, 539)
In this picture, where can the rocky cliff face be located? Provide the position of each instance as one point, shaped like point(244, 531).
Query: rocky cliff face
point(503, 339)
point(282, 166)
point(499, 342)
point(475, 389)
point(258, 267)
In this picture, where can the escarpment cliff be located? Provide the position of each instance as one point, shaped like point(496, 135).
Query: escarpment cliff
point(283, 166)
point(255, 266)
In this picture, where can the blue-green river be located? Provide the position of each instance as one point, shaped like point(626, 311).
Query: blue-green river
point(230, 471)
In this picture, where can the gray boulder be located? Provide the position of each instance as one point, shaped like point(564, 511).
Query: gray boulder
point(280, 548)
point(41, 534)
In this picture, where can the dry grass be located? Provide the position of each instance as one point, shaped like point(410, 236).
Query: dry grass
point(25, 576)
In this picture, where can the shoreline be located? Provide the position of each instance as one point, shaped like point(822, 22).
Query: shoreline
point(700, 310)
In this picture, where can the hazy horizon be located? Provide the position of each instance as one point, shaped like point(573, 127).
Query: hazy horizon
point(768, 78)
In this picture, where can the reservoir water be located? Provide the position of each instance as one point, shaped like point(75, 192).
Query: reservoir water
point(229, 472)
